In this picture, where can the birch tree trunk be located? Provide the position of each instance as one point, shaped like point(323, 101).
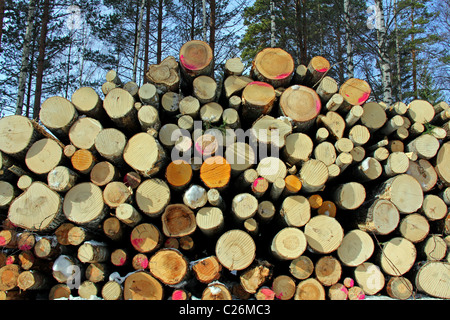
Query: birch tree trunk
point(397, 54)
point(383, 57)
point(272, 24)
point(138, 40)
point(25, 56)
point(204, 19)
point(348, 39)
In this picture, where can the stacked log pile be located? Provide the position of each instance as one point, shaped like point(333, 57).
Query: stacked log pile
point(158, 191)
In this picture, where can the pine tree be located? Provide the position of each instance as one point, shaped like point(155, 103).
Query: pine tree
point(415, 38)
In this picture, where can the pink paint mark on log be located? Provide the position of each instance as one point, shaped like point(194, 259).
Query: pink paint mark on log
point(144, 263)
point(268, 294)
point(122, 261)
point(318, 106)
point(364, 97)
point(255, 183)
point(25, 247)
point(137, 242)
point(187, 65)
point(199, 148)
point(323, 70)
point(283, 76)
point(177, 295)
point(279, 296)
point(2, 241)
point(344, 289)
point(259, 83)
point(361, 296)
point(10, 260)
point(351, 283)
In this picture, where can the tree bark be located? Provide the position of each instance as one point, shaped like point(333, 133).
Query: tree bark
point(25, 56)
point(383, 57)
point(40, 60)
point(146, 39)
point(348, 39)
point(137, 40)
point(159, 32)
point(2, 15)
point(212, 30)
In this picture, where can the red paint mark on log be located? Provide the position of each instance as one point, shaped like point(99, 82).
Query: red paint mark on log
point(137, 242)
point(25, 247)
point(268, 294)
point(255, 183)
point(177, 295)
point(364, 97)
point(259, 83)
point(142, 261)
point(283, 76)
point(318, 106)
point(186, 65)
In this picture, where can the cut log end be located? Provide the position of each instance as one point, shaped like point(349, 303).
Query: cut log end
point(178, 220)
point(146, 237)
point(38, 208)
point(274, 66)
point(196, 57)
point(215, 172)
point(355, 91)
point(142, 286)
point(301, 104)
point(169, 266)
point(235, 249)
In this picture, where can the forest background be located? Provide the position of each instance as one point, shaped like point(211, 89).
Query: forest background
point(53, 47)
